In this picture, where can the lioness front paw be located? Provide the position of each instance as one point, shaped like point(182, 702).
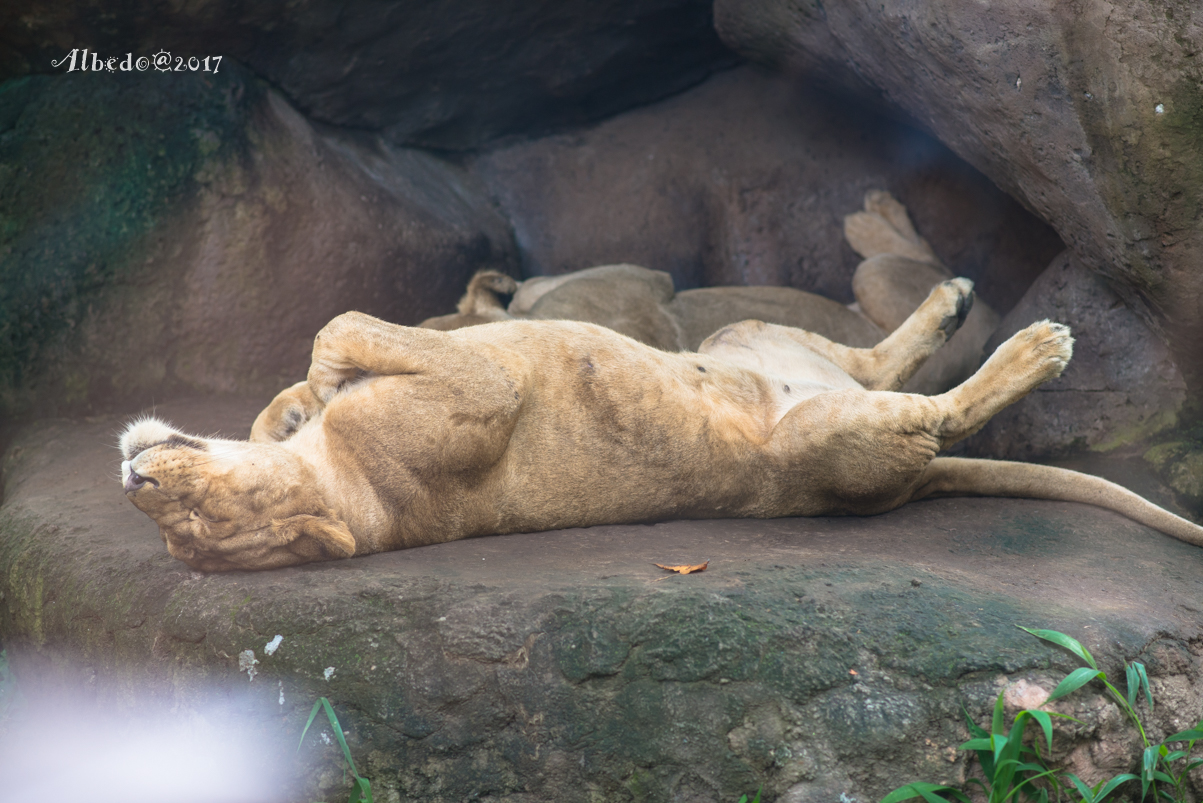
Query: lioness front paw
point(286, 414)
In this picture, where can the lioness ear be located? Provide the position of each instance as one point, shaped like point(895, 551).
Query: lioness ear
point(315, 537)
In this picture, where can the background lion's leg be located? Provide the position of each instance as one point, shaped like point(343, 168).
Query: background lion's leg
point(886, 366)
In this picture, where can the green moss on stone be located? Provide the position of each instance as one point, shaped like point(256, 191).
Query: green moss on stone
point(90, 165)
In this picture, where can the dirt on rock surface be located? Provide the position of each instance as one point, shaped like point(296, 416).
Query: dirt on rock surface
point(812, 654)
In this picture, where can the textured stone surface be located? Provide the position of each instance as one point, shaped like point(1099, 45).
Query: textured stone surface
point(449, 74)
point(1089, 113)
point(564, 666)
point(203, 248)
point(746, 180)
point(1121, 387)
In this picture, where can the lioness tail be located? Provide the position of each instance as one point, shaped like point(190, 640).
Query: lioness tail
point(957, 476)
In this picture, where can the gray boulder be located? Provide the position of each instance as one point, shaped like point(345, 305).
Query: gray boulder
point(1088, 113)
point(745, 180)
point(1122, 386)
point(451, 74)
point(144, 251)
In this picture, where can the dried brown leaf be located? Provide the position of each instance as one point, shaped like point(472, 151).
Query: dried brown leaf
point(684, 568)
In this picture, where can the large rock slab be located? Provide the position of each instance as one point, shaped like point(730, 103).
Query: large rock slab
point(745, 180)
point(144, 250)
point(1087, 112)
point(1121, 388)
point(815, 657)
point(451, 74)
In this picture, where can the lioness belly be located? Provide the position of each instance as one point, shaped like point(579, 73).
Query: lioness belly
point(605, 430)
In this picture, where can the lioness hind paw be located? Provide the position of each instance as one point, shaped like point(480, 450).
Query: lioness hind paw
point(1041, 351)
point(961, 291)
point(885, 228)
point(1053, 343)
point(880, 202)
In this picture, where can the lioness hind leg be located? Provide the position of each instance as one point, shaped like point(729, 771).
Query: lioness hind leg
point(1030, 357)
point(864, 452)
point(889, 364)
point(354, 344)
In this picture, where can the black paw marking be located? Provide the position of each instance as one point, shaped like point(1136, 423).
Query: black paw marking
point(952, 323)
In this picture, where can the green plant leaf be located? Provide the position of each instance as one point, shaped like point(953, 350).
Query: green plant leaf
point(1148, 762)
point(1184, 736)
point(1158, 775)
point(974, 728)
point(1112, 785)
point(1074, 681)
point(1028, 780)
point(1046, 724)
point(1174, 756)
point(1144, 682)
point(1062, 640)
point(1132, 679)
point(997, 722)
point(342, 742)
point(1085, 791)
point(928, 791)
point(317, 706)
point(362, 792)
point(976, 744)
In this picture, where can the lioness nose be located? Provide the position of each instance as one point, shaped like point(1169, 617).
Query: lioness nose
point(134, 481)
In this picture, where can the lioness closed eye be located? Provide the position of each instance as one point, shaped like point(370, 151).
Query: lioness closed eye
point(402, 437)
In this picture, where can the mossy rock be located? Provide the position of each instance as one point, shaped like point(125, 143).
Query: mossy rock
point(813, 658)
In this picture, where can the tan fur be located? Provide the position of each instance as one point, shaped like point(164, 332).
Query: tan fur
point(403, 436)
point(899, 270)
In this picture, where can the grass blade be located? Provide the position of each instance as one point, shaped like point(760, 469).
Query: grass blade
point(1184, 736)
point(974, 728)
point(1111, 785)
point(997, 721)
point(1046, 724)
point(338, 732)
point(362, 793)
point(312, 714)
point(1062, 640)
point(1085, 791)
point(928, 791)
point(1074, 681)
point(1148, 763)
point(1144, 682)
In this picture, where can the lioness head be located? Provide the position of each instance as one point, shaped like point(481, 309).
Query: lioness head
point(224, 504)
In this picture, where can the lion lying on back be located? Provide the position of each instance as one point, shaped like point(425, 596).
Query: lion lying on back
point(404, 436)
point(898, 271)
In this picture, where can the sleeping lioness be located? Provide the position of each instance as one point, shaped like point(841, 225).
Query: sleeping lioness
point(402, 437)
point(899, 269)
